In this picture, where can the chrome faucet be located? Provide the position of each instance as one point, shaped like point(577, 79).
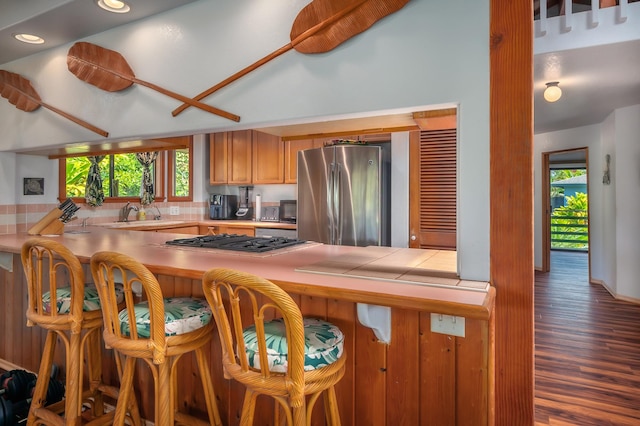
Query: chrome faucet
point(124, 212)
point(159, 215)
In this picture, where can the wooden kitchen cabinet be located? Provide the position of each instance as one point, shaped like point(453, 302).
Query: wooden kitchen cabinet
point(268, 158)
point(239, 152)
point(192, 229)
point(291, 149)
point(245, 157)
point(218, 158)
point(251, 157)
point(227, 229)
point(230, 156)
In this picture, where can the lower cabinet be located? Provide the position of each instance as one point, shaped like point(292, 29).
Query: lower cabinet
point(227, 229)
point(193, 230)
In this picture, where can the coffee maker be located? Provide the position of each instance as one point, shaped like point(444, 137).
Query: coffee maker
point(223, 206)
point(245, 211)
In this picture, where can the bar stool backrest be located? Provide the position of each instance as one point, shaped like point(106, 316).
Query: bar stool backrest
point(49, 266)
point(110, 268)
point(239, 300)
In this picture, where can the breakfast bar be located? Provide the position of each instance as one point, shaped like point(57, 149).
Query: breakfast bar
point(418, 376)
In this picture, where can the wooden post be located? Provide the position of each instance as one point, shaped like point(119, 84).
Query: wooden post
point(511, 206)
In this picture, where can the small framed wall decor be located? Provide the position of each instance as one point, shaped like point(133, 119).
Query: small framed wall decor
point(33, 186)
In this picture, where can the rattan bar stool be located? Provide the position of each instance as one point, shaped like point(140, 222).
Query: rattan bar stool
point(61, 303)
point(280, 354)
point(165, 329)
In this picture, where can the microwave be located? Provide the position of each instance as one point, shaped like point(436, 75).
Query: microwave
point(288, 211)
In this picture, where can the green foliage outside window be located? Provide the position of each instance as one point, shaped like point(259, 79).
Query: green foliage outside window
point(569, 224)
point(77, 170)
point(181, 178)
point(127, 175)
point(122, 175)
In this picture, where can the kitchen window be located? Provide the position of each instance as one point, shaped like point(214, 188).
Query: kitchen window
point(122, 176)
point(180, 174)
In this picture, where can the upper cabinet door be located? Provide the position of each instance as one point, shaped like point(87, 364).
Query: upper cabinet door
point(268, 158)
point(218, 173)
point(239, 157)
point(291, 149)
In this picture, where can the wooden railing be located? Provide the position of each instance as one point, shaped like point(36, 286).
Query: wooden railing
point(545, 9)
point(570, 230)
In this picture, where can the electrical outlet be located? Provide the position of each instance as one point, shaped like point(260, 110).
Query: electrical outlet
point(174, 210)
point(447, 324)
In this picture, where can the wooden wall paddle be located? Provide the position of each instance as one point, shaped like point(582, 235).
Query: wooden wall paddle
point(108, 70)
point(19, 91)
point(319, 27)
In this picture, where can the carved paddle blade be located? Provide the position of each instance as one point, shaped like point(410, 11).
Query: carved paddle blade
point(18, 91)
point(339, 20)
point(318, 28)
point(21, 94)
point(108, 70)
point(103, 68)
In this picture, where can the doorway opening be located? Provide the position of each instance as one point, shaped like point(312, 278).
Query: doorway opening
point(565, 203)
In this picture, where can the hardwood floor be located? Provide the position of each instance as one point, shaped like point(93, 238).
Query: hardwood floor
point(587, 349)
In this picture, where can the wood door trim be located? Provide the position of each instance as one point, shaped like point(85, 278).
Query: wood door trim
point(546, 213)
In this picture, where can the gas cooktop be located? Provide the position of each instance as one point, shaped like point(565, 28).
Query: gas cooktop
point(237, 242)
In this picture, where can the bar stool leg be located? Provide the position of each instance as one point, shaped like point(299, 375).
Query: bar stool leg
point(94, 366)
point(73, 390)
point(44, 372)
point(165, 410)
point(207, 387)
point(126, 392)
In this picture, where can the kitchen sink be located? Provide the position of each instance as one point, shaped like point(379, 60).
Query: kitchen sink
point(141, 223)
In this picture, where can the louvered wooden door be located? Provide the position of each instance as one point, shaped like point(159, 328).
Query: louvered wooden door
point(432, 184)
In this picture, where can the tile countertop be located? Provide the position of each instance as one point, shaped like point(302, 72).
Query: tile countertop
point(165, 223)
point(285, 267)
point(257, 224)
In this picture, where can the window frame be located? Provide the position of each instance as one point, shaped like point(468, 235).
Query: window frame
point(162, 175)
point(171, 157)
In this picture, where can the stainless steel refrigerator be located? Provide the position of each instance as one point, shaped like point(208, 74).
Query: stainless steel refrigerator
point(344, 195)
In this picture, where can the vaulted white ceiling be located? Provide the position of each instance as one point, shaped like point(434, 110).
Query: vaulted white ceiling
point(595, 80)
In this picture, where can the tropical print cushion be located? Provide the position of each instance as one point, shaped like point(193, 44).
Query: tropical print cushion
point(181, 315)
point(91, 299)
point(323, 344)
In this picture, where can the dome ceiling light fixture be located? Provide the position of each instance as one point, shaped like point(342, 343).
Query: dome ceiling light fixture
point(553, 92)
point(115, 6)
point(28, 38)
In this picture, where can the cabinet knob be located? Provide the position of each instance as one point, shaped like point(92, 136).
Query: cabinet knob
point(413, 238)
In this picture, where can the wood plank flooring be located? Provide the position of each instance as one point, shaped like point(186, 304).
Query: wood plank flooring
point(587, 349)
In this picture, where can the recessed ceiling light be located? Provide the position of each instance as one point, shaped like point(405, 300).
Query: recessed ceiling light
point(115, 6)
point(29, 38)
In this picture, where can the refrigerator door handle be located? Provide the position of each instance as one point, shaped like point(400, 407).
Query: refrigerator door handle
point(338, 203)
point(331, 208)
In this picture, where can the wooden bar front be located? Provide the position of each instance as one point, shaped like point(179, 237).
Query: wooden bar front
point(420, 378)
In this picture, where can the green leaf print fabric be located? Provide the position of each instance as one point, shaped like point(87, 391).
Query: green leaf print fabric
point(324, 343)
point(181, 315)
point(91, 299)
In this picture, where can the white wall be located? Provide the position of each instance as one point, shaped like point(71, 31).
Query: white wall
point(7, 178)
point(614, 208)
point(33, 166)
point(609, 249)
point(400, 189)
point(627, 194)
point(580, 137)
point(429, 54)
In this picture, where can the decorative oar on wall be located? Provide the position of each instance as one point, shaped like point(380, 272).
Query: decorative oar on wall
point(319, 27)
point(108, 70)
point(19, 91)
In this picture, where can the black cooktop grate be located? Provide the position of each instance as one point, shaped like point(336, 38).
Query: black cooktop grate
point(237, 242)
